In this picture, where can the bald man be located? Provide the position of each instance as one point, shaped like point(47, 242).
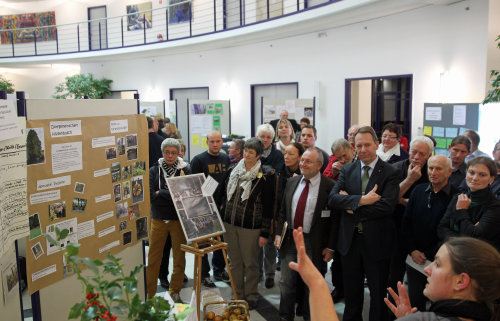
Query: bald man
point(284, 115)
point(426, 206)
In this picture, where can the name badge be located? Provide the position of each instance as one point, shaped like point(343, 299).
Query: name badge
point(325, 213)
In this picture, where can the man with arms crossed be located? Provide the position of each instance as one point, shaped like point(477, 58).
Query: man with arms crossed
point(366, 194)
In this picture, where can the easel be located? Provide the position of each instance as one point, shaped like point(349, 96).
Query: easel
point(214, 243)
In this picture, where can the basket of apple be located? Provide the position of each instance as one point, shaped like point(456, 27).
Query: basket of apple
point(235, 310)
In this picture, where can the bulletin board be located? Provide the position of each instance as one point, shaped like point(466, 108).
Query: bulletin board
point(297, 109)
point(153, 108)
point(446, 121)
point(88, 174)
point(205, 116)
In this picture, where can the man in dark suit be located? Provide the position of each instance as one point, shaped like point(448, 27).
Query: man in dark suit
point(155, 141)
point(284, 115)
point(305, 204)
point(366, 194)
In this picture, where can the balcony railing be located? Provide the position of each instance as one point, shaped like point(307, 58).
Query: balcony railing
point(180, 21)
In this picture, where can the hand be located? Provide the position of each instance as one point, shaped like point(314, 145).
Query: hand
point(304, 265)
point(403, 306)
point(414, 173)
point(371, 198)
point(342, 192)
point(403, 201)
point(463, 202)
point(327, 255)
point(336, 167)
point(418, 257)
point(262, 241)
point(277, 241)
point(157, 192)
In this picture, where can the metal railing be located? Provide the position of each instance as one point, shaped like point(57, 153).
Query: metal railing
point(180, 21)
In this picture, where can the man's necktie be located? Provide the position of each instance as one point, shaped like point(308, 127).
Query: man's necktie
point(301, 206)
point(365, 178)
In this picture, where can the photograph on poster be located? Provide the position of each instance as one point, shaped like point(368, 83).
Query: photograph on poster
point(126, 172)
point(131, 154)
point(10, 279)
point(127, 237)
point(35, 146)
point(198, 109)
point(121, 145)
point(115, 172)
point(131, 140)
point(110, 153)
point(79, 187)
point(218, 109)
point(197, 217)
point(137, 18)
point(123, 225)
point(79, 205)
point(133, 212)
point(308, 112)
point(126, 189)
point(142, 227)
point(57, 210)
point(139, 168)
point(117, 193)
point(137, 189)
point(35, 227)
point(179, 13)
point(71, 225)
point(121, 210)
point(37, 250)
point(68, 269)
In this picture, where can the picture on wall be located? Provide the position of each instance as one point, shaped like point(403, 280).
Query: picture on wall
point(179, 13)
point(28, 20)
point(137, 18)
point(198, 218)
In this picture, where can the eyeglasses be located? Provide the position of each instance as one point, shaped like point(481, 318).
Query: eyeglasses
point(170, 153)
point(389, 137)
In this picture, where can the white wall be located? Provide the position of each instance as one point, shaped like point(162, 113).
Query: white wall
point(424, 42)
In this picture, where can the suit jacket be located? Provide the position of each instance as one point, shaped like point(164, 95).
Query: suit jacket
point(295, 126)
point(378, 225)
point(323, 233)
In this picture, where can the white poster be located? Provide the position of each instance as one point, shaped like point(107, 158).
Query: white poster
point(65, 128)
point(459, 114)
point(86, 229)
point(10, 278)
point(66, 157)
point(49, 183)
point(43, 272)
point(201, 124)
point(118, 126)
point(14, 221)
point(43, 197)
point(103, 141)
point(9, 125)
point(433, 113)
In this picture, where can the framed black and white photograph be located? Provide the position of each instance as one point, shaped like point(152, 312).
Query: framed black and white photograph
point(199, 220)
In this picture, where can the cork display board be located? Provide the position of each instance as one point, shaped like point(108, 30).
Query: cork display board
point(89, 175)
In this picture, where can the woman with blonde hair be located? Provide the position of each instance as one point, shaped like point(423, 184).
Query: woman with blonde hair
point(171, 131)
point(285, 135)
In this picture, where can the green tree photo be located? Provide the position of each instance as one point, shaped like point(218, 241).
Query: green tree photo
point(80, 85)
point(35, 152)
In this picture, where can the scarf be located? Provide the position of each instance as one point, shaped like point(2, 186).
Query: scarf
point(244, 178)
point(386, 155)
point(170, 171)
point(461, 308)
point(281, 146)
point(267, 152)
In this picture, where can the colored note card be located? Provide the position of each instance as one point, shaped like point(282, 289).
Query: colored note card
point(440, 142)
point(451, 132)
point(438, 131)
point(428, 130)
point(218, 109)
point(195, 140)
point(462, 130)
point(204, 142)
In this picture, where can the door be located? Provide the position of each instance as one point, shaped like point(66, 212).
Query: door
point(278, 90)
point(181, 96)
point(98, 31)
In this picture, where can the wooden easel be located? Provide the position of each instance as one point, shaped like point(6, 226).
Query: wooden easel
point(214, 243)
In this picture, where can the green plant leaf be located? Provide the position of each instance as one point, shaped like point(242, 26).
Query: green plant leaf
point(50, 239)
point(64, 234)
point(72, 249)
point(114, 293)
point(120, 309)
point(90, 264)
point(90, 313)
point(130, 284)
point(76, 310)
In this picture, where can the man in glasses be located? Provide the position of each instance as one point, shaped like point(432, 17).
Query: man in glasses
point(426, 206)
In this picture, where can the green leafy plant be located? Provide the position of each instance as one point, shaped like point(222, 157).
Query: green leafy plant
point(6, 85)
point(80, 85)
point(109, 293)
point(494, 93)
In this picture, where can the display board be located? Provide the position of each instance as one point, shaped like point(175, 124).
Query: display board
point(87, 174)
point(153, 108)
point(445, 121)
point(297, 108)
point(205, 116)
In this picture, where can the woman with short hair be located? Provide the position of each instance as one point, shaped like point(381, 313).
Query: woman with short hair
point(390, 150)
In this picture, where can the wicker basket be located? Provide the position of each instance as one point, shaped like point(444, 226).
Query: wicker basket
point(232, 304)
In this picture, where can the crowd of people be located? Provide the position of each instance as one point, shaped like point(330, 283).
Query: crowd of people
point(380, 209)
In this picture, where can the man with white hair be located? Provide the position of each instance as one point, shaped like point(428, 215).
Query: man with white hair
point(284, 115)
point(412, 172)
point(426, 206)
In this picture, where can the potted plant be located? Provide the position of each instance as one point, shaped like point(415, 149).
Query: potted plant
point(108, 292)
point(80, 85)
point(494, 93)
point(6, 85)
